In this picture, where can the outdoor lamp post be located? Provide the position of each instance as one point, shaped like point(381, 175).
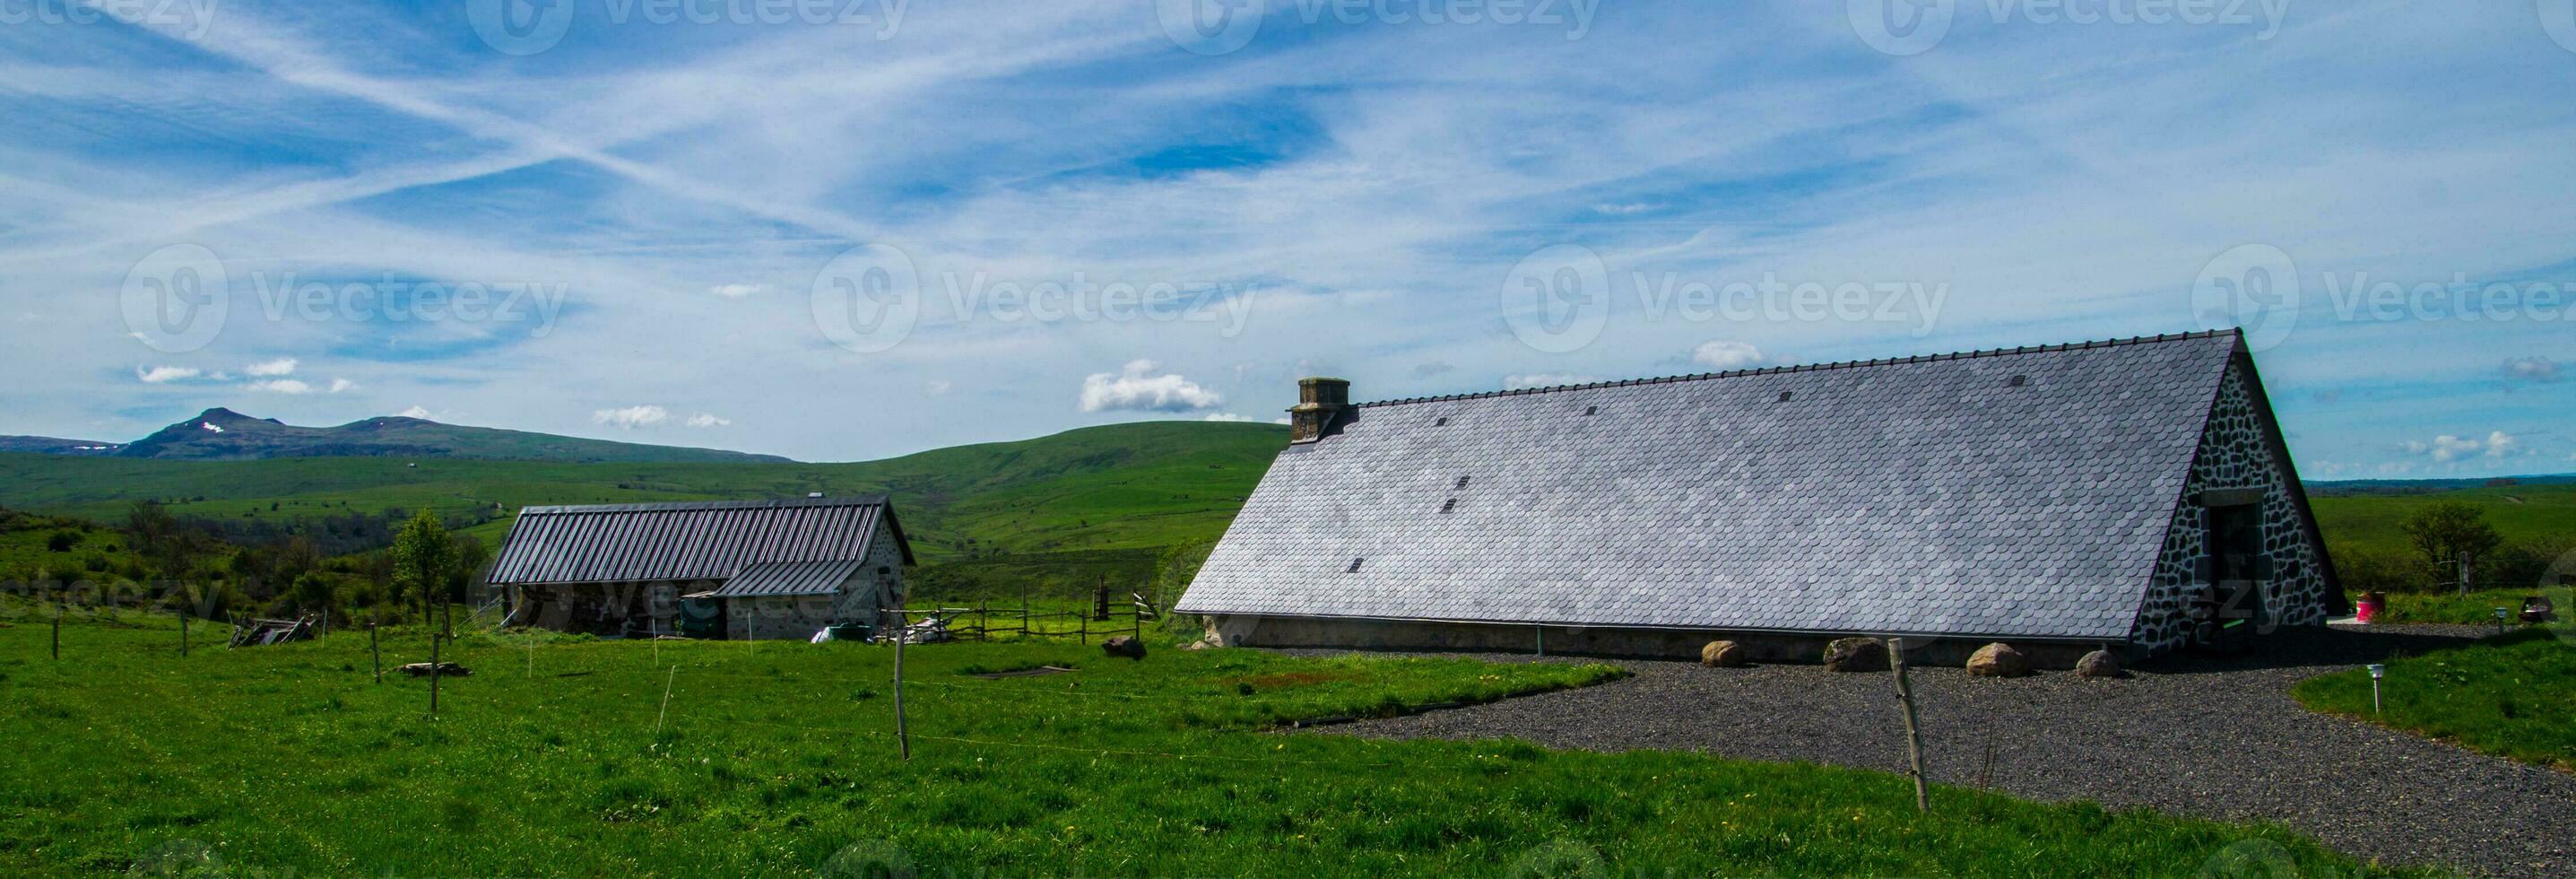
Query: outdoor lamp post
point(2377, 671)
point(2501, 614)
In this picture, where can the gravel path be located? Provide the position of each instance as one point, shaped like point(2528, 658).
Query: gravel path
point(2215, 738)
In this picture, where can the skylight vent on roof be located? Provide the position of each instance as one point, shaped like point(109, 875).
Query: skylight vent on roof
point(1591, 410)
point(1355, 566)
point(1784, 396)
point(2020, 380)
point(1442, 421)
point(1449, 505)
point(1462, 481)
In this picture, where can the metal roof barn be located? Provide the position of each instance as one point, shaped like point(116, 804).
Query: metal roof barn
point(626, 543)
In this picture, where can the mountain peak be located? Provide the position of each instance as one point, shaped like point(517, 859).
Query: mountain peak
point(220, 433)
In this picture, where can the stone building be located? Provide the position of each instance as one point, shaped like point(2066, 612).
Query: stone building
point(2131, 494)
point(731, 569)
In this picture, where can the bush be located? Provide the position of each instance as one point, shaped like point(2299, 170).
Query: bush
point(63, 541)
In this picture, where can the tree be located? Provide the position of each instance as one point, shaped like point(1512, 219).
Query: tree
point(423, 556)
point(2452, 532)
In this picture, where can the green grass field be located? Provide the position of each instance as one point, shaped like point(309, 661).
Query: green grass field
point(780, 759)
point(2541, 513)
point(2477, 608)
point(2513, 696)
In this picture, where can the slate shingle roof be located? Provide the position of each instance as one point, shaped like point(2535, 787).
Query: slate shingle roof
point(627, 543)
point(1911, 496)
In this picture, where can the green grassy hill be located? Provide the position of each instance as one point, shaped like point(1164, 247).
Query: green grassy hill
point(1073, 507)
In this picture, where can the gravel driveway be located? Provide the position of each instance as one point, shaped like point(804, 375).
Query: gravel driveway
point(2214, 738)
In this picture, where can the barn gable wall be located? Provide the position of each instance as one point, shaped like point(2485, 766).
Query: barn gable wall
point(2235, 452)
point(857, 603)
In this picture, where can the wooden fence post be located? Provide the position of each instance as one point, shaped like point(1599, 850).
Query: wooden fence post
point(58, 630)
point(183, 636)
point(902, 734)
point(666, 701)
point(1913, 736)
point(375, 654)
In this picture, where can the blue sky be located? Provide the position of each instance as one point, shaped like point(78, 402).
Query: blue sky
point(904, 225)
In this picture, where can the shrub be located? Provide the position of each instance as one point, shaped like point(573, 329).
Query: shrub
point(63, 541)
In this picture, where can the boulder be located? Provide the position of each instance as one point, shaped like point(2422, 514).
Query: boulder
point(445, 670)
point(1723, 654)
point(2099, 664)
point(1124, 646)
point(1856, 654)
point(1198, 645)
point(1998, 660)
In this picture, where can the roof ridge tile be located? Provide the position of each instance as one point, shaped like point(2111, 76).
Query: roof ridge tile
point(1812, 367)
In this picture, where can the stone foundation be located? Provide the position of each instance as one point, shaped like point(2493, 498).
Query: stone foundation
point(1764, 647)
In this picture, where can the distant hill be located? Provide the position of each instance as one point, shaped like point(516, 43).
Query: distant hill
point(46, 445)
point(1060, 512)
point(225, 435)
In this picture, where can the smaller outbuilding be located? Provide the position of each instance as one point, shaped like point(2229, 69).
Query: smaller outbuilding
point(726, 569)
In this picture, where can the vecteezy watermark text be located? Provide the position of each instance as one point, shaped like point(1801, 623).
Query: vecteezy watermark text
point(178, 298)
point(186, 19)
point(1560, 298)
point(1218, 27)
point(529, 27)
point(398, 301)
point(870, 298)
point(2258, 288)
point(1912, 27)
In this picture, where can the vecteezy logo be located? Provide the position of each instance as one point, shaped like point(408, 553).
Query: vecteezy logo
point(2253, 287)
point(1210, 27)
point(1558, 299)
point(869, 860)
point(867, 299)
point(175, 298)
point(519, 27)
point(1901, 27)
point(2558, 17)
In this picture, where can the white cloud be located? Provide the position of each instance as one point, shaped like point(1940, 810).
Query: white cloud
point(631, 417)
point(1621, 210)
point(2446, 448)
point(280, 386)
point(736, 291)
point(1545, 380)
point(1723, 354)
point(159, 374)
point(937, 387)
point(279, 366)
point(2535, 369)
point(414, 412)
point(705, 420)
point(342, 384)
point(1138, 388)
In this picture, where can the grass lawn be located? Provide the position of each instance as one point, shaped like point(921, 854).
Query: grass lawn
point(2477, 608)
point(2513, 696)
point(779, 759)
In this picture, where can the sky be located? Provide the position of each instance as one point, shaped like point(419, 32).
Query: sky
point(850, 229)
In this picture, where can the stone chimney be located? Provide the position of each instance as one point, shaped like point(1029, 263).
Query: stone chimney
point(1320, 402)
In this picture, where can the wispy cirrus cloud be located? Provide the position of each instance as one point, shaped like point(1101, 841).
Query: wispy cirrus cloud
point(1366, 213)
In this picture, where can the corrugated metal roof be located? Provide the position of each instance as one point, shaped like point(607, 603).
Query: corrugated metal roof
point(624, 543)
point(1914, 496)
point(789, 578)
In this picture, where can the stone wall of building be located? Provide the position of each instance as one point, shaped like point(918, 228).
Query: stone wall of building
point(1285, 632)
point(2235, 453)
